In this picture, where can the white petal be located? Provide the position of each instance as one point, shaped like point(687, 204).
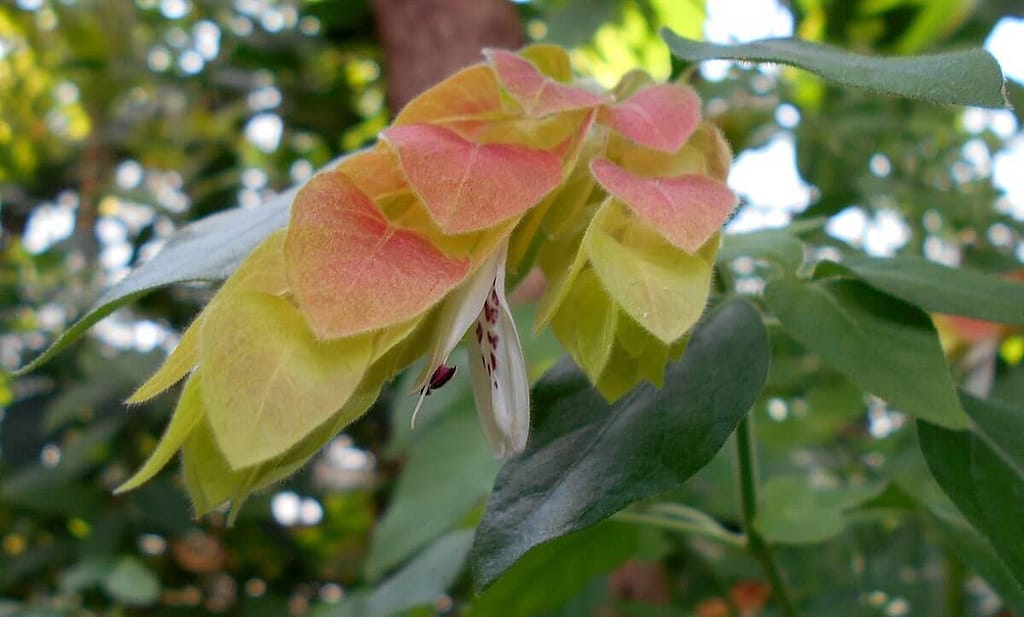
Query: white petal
point(500, 383)
point(458, 312)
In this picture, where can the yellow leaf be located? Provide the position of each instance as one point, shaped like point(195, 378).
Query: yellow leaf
point(263, 269)
point(208, 477)
point(186, 416)
point(636, 356)
point(586, 323)
point(182, 360)
point(211, 481)
point(705, 152)
point(561, 260)
point(471, 94)
point(661, 287)
point(267, 382)
point(551, 60)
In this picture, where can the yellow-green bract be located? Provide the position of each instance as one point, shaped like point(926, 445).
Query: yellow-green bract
point(401, 252)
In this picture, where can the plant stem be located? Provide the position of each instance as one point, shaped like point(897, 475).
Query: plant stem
point(747, 478)
point(683, 526)
point(956, 603)
point(682, 511)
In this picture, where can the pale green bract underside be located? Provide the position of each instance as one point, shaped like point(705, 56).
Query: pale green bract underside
point(966, 77)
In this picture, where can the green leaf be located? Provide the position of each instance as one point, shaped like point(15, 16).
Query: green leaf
point(777, 246)
point(54, 490)
point(883, 344)
point(89, 572)
point(830, 404)
point(981, 472)
point(449, 470)
point(574, 22)
point(968, 77)
point(794, 512)
point(262, 271)
point(209, 249)
point(49, 492)
point(425, 578)
point(419, 583)
point(941, 289)
point(910, 476)
point(587, 459)
point(985, 488)
point(564, 565)
point(178, 364)
point(975, 551)
point(1001, 424)
point(132, 582)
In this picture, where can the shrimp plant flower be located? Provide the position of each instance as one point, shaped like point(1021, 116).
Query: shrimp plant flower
point(402, 250)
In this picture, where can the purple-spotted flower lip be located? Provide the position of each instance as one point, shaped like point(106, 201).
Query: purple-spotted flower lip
point(497, 367)
point(441, 376)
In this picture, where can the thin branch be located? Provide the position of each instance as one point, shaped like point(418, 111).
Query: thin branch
point(746, 477)
point(683, 526)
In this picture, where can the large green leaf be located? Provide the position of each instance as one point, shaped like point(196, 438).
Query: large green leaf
point(883, 344)
point(1001, 424)
point(988, 491)
point(587, 459)
point(977, 552)
point(912, 481)
point(982, 471)
point(795, 512)
point(968, 77)
point(449, 470)
point(209, 249)
point(833, 403)
point(419, 583)
point(941, 289)
point(777, 246)
point(565, 565)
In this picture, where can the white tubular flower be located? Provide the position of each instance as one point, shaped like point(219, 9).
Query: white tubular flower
point(501, 386)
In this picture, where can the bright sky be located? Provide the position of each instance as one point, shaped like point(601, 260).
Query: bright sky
point(767, 180)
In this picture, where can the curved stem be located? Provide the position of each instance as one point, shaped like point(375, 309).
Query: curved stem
point(683, 526)
point(684, 511)
point(747, 479)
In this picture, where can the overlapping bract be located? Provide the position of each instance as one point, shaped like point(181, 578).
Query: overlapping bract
point(400, 250)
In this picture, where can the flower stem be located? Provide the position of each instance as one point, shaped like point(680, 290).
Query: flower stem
point(955, 574)
point(680, 524)
point(746, 477)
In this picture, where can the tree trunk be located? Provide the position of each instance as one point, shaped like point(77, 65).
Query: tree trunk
point(425, 41)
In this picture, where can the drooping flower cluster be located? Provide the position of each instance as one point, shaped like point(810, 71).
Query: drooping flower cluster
point(401, 251)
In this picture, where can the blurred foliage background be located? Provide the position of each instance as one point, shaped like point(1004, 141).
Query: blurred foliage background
point(120, 121)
